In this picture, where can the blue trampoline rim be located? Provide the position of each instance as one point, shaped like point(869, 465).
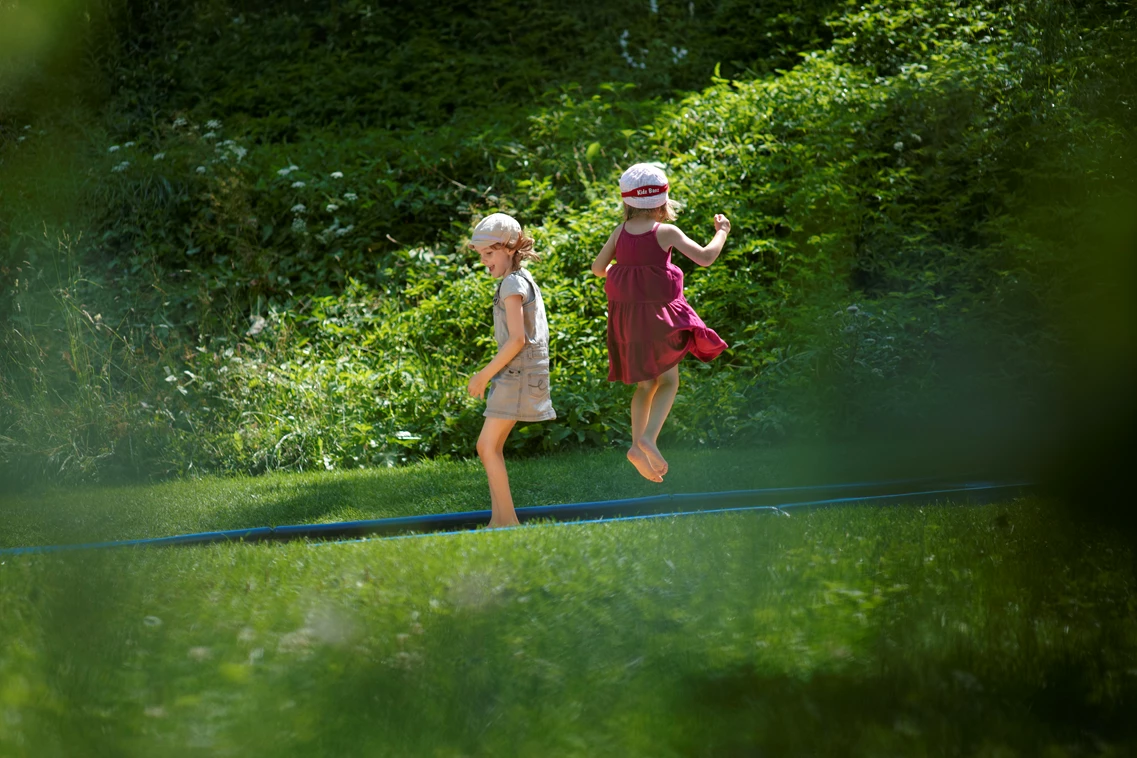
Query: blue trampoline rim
point(780, 509)
point(545, 515)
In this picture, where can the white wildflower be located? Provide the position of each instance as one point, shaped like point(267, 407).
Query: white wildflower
point(346, 230)
point(27, 126)
point(121, 167)
point(230, 148)
point(179, 122)
point(326, 235)
point(212, 124)
point(287, 171)
point(20, 139)
point(299, 225)
point(200, 169)
point(159, 156)
point(298, 185)
point(209, 135)
point(337, 175)
point(654, 5)
point(299, 208)
point(898, 146)
point(129, 144)
point(332, 208)
point(351, 197)
point(112, 149)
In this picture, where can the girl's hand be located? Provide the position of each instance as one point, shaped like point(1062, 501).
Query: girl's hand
point(477, 385)
point(722, 223)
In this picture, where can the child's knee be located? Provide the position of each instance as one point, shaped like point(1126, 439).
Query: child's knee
point(487, 448)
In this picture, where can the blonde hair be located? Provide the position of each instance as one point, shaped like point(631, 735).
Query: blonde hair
point(664, 214)
point(523, 251)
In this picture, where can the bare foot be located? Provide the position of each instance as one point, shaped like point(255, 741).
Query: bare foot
point(654, 459)
point(502, 524)
point(639, 460)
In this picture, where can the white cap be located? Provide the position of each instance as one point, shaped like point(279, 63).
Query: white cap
point(644, 185)
point(495, 228)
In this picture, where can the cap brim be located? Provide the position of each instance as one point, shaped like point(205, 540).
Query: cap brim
point(488, 239)
point(652, 201)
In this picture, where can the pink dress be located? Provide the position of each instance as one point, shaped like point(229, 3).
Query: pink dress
point(650, 325)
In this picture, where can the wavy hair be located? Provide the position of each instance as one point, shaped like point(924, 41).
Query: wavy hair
point(523, 251)
point(664, 214)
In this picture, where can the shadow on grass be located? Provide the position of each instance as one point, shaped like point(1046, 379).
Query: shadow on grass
point(920, 707)
point(368, 495)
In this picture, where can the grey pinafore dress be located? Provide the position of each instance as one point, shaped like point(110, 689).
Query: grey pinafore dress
point(520, 391)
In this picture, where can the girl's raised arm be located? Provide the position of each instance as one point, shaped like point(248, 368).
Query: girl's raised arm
point(672, 236)
point(600, 265)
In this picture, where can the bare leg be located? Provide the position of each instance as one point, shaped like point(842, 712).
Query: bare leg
point(641, 405)
point(491, 444)
point(666, 387)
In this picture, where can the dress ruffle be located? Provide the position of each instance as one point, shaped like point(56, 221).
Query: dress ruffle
point(647, 339)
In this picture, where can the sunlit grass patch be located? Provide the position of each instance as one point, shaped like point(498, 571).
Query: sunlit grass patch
point(912, 631)
point(81, 515)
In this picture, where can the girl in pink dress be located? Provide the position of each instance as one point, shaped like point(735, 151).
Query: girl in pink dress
point(650, 325)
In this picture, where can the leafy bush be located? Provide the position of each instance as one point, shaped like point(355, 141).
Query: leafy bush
point(277, 236)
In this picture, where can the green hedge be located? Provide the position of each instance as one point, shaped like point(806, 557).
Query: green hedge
point(288, 288)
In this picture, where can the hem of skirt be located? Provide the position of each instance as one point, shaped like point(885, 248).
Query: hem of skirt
point(653, 376)
point(515, 417)
point(709, 358)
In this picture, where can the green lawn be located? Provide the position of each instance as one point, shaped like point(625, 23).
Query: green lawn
point(939, 630)
point(197, 505)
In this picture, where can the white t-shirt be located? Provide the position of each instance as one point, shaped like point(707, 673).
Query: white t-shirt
point(521, 282)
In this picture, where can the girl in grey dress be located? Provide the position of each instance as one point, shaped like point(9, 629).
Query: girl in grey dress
point(518, 375)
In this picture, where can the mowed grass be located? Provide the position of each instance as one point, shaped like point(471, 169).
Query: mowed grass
point(93, 514)
point(904, 631)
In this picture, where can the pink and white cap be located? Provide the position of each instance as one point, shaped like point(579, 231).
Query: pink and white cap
point(495, 228)
point(644, 185)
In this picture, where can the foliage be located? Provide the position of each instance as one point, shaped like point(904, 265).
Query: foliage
point(270, 216)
